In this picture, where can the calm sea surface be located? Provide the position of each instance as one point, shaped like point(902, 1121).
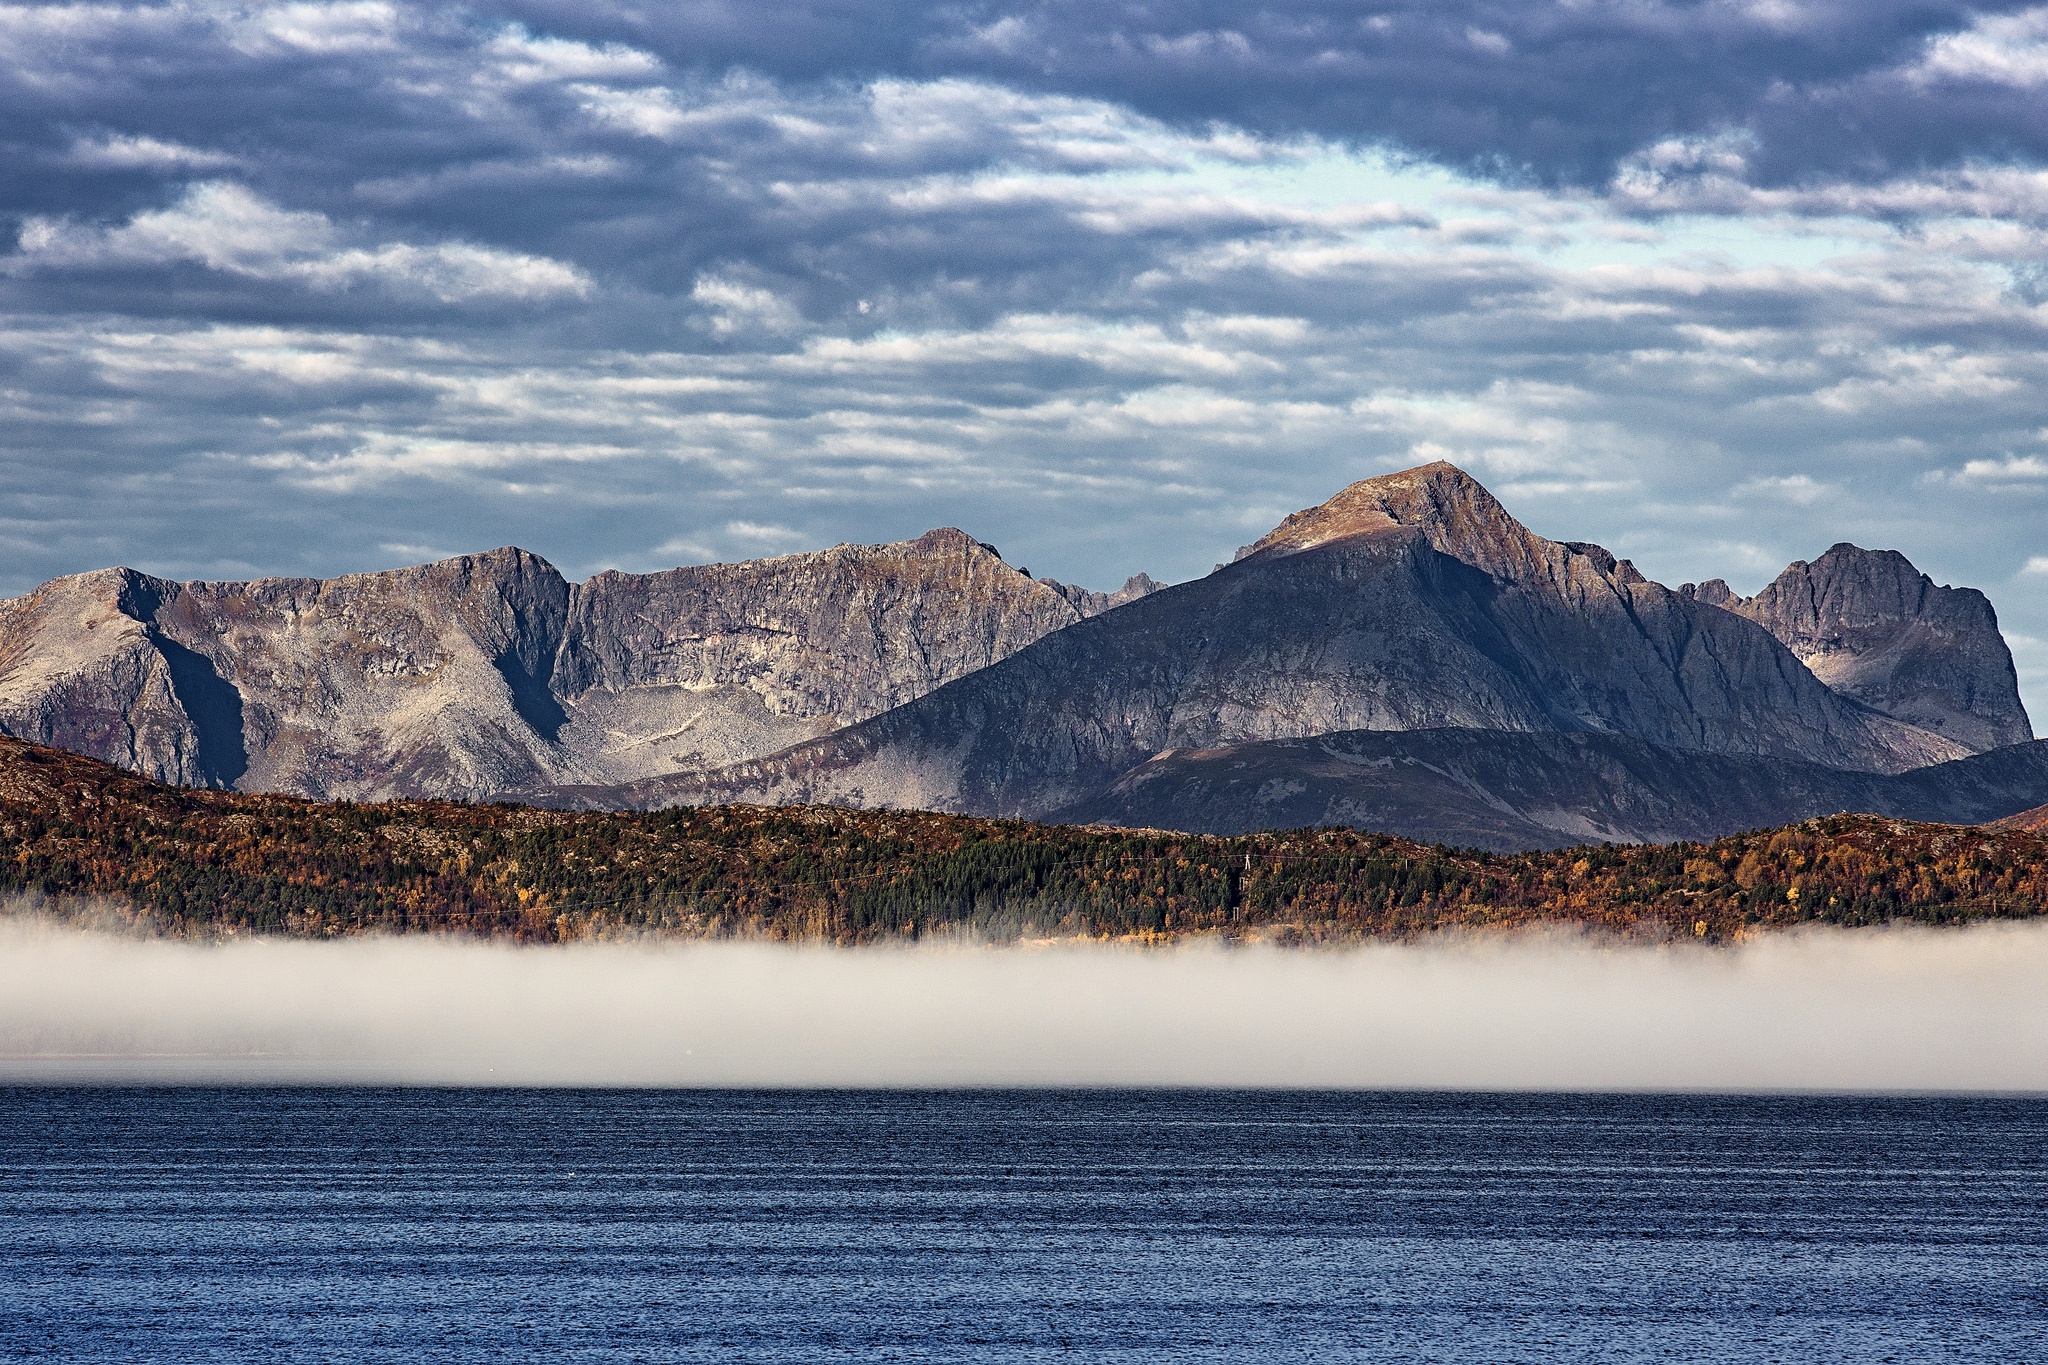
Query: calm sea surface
point(265, 1224)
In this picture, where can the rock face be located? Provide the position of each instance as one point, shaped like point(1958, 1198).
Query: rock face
point(488, 673)
point(1873, 627)
point(1480, 789)
point(1408, 602)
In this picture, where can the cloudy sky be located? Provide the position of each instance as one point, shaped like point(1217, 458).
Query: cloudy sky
point(310, 288)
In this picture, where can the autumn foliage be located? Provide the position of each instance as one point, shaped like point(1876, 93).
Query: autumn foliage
point(74, 832)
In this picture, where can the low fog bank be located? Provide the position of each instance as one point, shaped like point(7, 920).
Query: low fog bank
point(1897, 1009)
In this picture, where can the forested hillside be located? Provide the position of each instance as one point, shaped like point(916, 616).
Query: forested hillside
point(75, 833)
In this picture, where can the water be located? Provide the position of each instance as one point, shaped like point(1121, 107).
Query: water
point(419, 1225)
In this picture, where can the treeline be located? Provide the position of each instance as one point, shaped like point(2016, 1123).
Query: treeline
point(222, 863)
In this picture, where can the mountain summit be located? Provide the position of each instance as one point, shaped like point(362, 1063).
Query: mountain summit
point(1449, 508)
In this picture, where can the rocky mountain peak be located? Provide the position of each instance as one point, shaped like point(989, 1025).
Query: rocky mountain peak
point(1873, 627)
point(1456, 515)
point(942, 540)
point(1445, 502)
point(1095, 603)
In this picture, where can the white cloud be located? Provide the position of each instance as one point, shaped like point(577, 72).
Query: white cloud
point(350, 27)
point(226, 228)
point(2002, 49)
point(128, 151)
point(650, 111)
point(2036, 565)
point(1708, 176)
point(379, 457)
point(1801, 490)
point(680, 550)
point(758, 534)
point(522, 57)
point(2010, 469)
point(739, 308)
point(1492, 44)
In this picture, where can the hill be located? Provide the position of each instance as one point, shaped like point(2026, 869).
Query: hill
point(78, 834)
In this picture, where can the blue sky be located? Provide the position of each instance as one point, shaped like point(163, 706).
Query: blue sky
point(312, 288)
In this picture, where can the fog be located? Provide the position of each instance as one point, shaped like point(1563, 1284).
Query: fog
point(1889, 1010)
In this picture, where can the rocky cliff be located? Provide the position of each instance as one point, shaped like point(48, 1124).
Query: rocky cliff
point(1408, 602)
point(488, 673)
point(1873, 627)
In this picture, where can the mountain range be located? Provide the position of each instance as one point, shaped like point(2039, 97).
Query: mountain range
point(1406, 657)
point(478, 675)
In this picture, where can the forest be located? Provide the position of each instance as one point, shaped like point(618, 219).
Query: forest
point(78, 837)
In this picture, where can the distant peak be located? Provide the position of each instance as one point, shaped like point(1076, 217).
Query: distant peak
point(952, 540)
point(1438, 497)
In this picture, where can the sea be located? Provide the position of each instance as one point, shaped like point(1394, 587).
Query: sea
point(420, 1225)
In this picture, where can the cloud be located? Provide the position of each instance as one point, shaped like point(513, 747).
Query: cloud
point(757, 534)
point(224, 227)
point(2038, 564)
point(521, 56)
point(737, 307)
point(1997, 49)
point(1561, 93)
point(1873, 1010)
point(1799, 489)
point(131, 152)
point(2010, 469)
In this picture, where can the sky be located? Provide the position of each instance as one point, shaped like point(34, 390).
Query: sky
point(315, 288)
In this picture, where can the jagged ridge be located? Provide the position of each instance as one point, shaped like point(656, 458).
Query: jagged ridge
point(1412, 601)
point(1873, 627)
point(486, 673)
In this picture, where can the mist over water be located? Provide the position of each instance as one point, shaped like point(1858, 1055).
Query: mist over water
point(1869, 1010)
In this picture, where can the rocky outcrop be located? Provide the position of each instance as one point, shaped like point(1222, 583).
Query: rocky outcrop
point(429, 680)
point(715, 664)
point(1874, 628)
point(1095, 603)
point(1408, 602)
point(1483, 789)
point(489, 673)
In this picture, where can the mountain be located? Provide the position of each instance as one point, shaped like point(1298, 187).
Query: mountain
point(1405, 656)
point(482, 674)
point(1874, 628)
point(1407, 602)
point(1482, 789)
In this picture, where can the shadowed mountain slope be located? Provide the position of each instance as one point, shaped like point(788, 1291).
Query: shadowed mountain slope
point(1479, 789)
point(1407, 602)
